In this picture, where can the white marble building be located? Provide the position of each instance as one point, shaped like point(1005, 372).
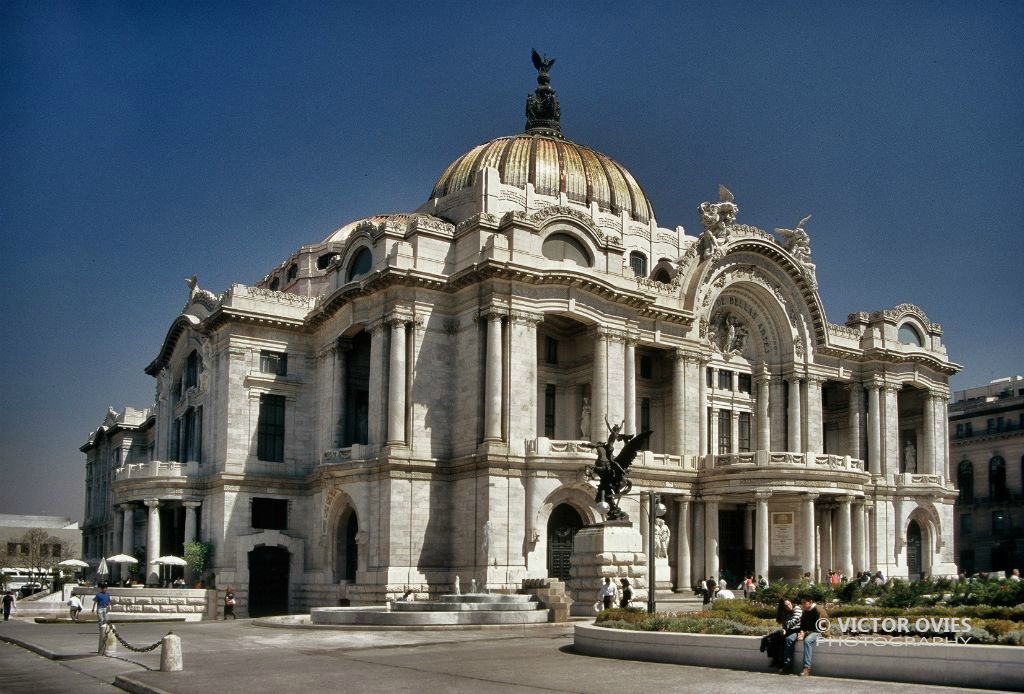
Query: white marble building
point(402, 402)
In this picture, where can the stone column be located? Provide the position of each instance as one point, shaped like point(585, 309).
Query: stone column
point(396, 383)
point(761, 529)
point(629, 388)
point(698, 569)
point(684, 576)
point(891, 430)
point(856, 419)
point(874, 429)
point(711, 535)
point(599, 387)
point(845, 556)
point(714, 431)
point(826, 548)
point(153, 542)
point(793, 415)
point(748, 527)
point(813, 436)
point(764, 425)
point(190, 531)
point(702, 435)
point(341, 379)
point(808, 533)
point(679, 402)
point(492, 376)
point(128, 529)
point(926, 451)
point(375, 417)
point(118, 539)
point(942, 435)
point(857, 533)
point(734, 432)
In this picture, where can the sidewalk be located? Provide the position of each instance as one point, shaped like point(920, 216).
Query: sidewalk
point(241, 658)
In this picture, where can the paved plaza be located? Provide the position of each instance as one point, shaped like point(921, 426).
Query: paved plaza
point(242, 657)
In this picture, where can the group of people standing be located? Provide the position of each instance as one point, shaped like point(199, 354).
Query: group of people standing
point(711, 588)
point(609, 594)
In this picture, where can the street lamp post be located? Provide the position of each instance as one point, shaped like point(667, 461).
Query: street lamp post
point(654, 509)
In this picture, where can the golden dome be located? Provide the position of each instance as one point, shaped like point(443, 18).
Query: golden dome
point(553, 165)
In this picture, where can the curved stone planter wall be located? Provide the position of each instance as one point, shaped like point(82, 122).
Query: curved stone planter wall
point(988, 667)
point(126, 604)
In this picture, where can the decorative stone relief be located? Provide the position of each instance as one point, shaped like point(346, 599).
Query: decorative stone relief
point(797, 242)
point(727, 334)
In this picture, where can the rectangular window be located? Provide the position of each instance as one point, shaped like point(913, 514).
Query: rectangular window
point(709, 376)
point(270, 429)
point(724, 379)
point(191, 371)
point(646, 368)
point(968, 429)
point(549, 410)
point(175, 439)
point(744, 384)
point(707, 434)
point(274, 363)
point(269, 514)
point(551, 351)
point(12, 548)
point(744, 442)
point(724, 432)
point(966, 524)
point(991, 426)
point(645, 414)
point(959, 431)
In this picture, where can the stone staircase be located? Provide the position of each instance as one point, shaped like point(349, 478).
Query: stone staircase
point(550, 593)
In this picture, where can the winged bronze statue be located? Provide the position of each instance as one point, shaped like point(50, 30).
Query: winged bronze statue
point(543, 65)
point(611, 469)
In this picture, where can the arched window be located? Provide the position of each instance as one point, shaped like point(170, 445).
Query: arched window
point(965, 480)
point(662, 276)
point(565, 247)
point(293, 272)
point(325, 260)
point(997, 478)
point(275, 284)
point(638, 263)
point(908, 335)
point(360, 265)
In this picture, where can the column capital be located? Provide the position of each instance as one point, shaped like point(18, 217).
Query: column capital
point(191, 504)
point(601, 332)
point(152, 503)
point(762, 494)
point(815, 380)
point(793, 377)
point(845, 499)
point(873, 384)
point(712, 498)
point(127, 507)
point(809, 496)
point(525, 317)
point(375, 328)
point(938, 396)
point(682, 498)
point(893, 387)
point(397, 318)
point(853, 386)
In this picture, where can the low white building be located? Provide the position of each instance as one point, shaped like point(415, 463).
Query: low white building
point(403, 402)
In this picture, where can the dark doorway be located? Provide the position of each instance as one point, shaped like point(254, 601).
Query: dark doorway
point(563, 524)
point(732, 556)
point(346, 551)
point(268, 581)
point(914, 551)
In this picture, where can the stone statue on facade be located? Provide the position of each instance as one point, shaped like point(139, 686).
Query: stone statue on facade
point(662, 535)
point(716, 219)
point(910, 457)
point(611, 469)
point(585, 419)
point(728, 335)
point(798, 243)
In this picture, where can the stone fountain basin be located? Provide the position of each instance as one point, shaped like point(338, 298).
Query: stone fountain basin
point(470, 609)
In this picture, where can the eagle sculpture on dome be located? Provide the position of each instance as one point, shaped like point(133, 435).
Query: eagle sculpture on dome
point(544, 64)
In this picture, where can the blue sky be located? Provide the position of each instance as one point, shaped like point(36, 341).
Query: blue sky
point(143, 142)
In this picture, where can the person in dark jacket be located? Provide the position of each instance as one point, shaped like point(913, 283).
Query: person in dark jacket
point(812, 621)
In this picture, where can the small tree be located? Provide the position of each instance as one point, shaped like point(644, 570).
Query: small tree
point(44, 552)
point(197, 556)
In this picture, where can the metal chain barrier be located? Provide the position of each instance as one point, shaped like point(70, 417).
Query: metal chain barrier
point(144, 649)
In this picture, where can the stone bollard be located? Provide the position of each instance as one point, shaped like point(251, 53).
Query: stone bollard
point(170, 653)
point(108, 644)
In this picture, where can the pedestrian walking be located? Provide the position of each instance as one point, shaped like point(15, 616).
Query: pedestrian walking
point(8, 604)
point(627, 594)
point(606, 595)
point(75, 607)
point(229, 604)
point(101, 604)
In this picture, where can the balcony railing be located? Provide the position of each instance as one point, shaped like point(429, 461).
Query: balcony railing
point(156, 468)
point(783, 459)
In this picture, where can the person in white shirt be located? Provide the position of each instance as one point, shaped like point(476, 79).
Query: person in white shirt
point(75, 606)
point(606, 594)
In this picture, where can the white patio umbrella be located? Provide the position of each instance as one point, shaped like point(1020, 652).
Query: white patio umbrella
point(122, 559)
point(102, 569)
point(73, 564)
point(169, 560)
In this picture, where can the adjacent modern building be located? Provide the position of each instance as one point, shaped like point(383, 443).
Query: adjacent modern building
point(404, 401)
point(986, 439)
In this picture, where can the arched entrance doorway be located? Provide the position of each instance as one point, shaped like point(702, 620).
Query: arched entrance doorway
point(346, 551)
point(563, 524)
point(268, 581)
point(914, 570)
